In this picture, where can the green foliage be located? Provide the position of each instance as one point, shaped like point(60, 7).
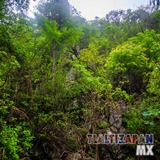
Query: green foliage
point(153, 86)
point(62, 77)
point(103, 124)
point(14, 142)
point(72, 142)
point(136, 124)
point(126, 67)
point(15, 139)
point(49, 29)
point(149, 41)
point(152, 113)
point(89, 71)
point(9, 140)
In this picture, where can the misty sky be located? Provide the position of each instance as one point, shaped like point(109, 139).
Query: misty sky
point(89, 9)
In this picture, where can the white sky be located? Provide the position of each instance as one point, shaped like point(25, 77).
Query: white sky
point(89, 9)
point(92, 8)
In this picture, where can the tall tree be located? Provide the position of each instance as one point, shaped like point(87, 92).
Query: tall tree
point(57, 10)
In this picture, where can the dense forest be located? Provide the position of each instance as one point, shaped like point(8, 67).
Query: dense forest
point(63, 77)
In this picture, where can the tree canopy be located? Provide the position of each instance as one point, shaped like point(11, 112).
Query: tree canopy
point(63, 77)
